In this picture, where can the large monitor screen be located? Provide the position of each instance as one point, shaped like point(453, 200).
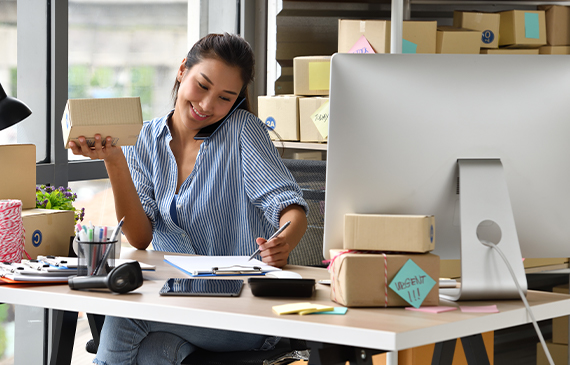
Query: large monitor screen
point(399, 124)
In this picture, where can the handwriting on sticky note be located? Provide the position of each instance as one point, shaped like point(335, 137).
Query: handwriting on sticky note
point(412, 284)
point(321, 119)
point(479, 309)
point(362, 46)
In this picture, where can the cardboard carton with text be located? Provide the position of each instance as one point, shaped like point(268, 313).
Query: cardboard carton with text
point(48, 231)
point(486, 23)
point(280, 114)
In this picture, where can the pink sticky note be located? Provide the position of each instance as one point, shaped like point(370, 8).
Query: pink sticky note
point(431, 309)
point(479, 309)
point(362, 46)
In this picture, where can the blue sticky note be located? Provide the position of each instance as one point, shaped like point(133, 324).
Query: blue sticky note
point(336, 310)
point(408, 47)
point(412, 284)
point(531, 29)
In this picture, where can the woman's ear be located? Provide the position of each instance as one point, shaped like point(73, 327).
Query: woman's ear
point(181, 70)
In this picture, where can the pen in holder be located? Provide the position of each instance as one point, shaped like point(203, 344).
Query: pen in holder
point(95, 258)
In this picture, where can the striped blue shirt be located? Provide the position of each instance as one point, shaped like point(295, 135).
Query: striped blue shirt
point(235, 193)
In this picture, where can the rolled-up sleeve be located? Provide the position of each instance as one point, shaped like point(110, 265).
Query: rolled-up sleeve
point(268, 183)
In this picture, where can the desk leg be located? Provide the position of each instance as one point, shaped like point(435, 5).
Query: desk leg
point(392, 358)
point(64, 325)
point(474, 348)
point(443, 353)
point(329, 354)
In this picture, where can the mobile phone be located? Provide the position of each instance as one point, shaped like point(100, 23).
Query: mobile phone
point(209, 130)
point(274, 287)
point(202, 287)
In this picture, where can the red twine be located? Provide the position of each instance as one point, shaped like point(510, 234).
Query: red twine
point(12, 232)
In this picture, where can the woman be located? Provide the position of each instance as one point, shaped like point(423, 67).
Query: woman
point(198, 182)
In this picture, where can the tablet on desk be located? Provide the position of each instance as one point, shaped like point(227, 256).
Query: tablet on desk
point(202, 287)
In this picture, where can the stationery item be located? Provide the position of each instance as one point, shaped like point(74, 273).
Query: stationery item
point(272, 237)
point(300, 308)
point(62, 262)
point(274, 287)
point(117, 230)
point(111, 246)
point(202, 287)
point(93, 258)
point(336, 310)
point(479, 309)
point(437, 309)
point(219, 265)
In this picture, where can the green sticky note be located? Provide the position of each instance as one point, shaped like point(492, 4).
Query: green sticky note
point(319, 75)
point(408, 47)
point(531, 29)
point(412, 284)
point(336, 310)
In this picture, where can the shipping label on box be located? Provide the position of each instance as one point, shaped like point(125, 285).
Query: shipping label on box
point(311, 75)
point(18, 177)
point(307, 119)
point(452, 40)
point(396, 233)
point(48, 231)
point(487, 23)
point(418, 36)
point(361, 279)
point(120, 118)
point(522, 28)
point(281, 115)
point(557, 24)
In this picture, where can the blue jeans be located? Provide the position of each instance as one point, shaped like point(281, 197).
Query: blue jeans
point(129, 341)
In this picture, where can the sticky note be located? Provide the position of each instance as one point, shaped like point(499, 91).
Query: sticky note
point(300, 308)
point(316, 308)
point(362, 46)
point(335, 310)
point(531, 29)
point(408, 47)
point(437, 309)
point(412, 283)
point(321, 119)
point(479, 309)
point(319, 75)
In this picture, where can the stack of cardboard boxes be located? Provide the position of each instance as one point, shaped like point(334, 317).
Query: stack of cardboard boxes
point(302, 116)
point(385, 262)
point(48, 232)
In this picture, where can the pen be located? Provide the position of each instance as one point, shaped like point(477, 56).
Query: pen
point(270, 238)
point(108, 250)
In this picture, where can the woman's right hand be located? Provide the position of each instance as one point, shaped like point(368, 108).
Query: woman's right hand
point(98, 151)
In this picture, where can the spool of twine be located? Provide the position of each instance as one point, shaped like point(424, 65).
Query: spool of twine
point(12, 233)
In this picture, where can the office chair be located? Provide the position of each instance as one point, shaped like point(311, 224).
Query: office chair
point(311, 176)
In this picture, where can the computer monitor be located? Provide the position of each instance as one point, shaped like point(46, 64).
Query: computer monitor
point(399, 124)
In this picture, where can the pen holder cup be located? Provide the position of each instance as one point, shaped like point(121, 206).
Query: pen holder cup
point(110, 231)
point(95, 258)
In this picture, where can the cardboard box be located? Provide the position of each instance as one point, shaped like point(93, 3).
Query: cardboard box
point(487, 23)
point(307, 106)
point(452, 40)
point(557, 24)
point(560, 324)
point(423, 355)
point(120, 118)
point(399, 233)
point(18, 177)
point(522, 28)
point(554, 50)
point(558, 352)
point(311, 75)
point(358, 279)
point(281, 115)
point(419, 37)
point(48, 231)
point(526, 51)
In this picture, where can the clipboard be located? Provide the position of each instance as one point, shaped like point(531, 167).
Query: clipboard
point(219, 265)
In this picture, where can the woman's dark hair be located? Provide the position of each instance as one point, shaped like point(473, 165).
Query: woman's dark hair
point(229, 48)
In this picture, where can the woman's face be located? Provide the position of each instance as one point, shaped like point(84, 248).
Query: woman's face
point(207, 92)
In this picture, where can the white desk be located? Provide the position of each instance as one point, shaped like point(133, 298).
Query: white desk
point(388, 329)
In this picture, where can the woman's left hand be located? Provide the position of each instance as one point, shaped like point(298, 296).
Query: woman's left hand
point(274, 252)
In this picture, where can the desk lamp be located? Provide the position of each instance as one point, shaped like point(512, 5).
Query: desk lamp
point(12, 110)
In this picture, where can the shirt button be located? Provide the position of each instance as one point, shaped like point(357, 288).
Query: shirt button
point(179, 206)
point(184, 234)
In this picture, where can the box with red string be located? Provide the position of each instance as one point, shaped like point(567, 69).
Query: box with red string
point(377, 279)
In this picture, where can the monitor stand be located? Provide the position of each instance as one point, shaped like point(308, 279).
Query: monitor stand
point(486, 214)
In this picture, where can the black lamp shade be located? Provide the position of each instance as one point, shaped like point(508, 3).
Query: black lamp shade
point(12, 110)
